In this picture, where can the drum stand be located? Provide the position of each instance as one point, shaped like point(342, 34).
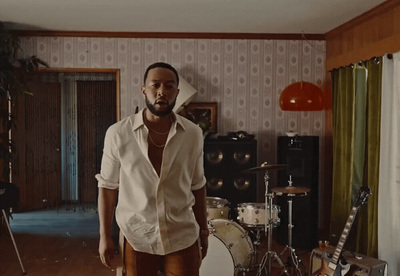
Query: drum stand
point(257, 241)
point(269, 255)
point(293, 260)
point(13, 241)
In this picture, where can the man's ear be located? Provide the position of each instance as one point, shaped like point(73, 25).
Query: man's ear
point(142, 88)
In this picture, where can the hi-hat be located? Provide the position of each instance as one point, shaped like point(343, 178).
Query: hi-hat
point(291, 191)
point(264, 166)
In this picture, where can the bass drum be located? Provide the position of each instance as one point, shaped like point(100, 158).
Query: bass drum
point(229, 249)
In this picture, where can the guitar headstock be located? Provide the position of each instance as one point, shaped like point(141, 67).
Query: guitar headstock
point(362, 196)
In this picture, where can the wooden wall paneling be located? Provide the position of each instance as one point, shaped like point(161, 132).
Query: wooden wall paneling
point(374, 33)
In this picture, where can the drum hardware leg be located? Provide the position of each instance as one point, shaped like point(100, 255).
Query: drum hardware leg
point(257, 234)
point(270, 255)
point(294, 264)
point(293, 260)
point(13, 240)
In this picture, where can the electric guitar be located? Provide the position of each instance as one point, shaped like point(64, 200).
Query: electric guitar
point(328, 267)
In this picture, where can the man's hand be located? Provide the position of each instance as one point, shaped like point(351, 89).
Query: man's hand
point(204, 245)
point(106, 251)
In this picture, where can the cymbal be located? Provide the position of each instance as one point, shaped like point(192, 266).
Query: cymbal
point(264, 167)
point(290, 190)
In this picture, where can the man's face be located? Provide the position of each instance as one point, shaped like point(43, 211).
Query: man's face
point(160, 91)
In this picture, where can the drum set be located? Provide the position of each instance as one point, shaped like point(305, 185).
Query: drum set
point(232, 251)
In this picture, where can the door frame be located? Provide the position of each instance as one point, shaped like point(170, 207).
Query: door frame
point(115, 71)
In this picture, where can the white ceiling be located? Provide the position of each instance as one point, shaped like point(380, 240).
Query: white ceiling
point(193, 16)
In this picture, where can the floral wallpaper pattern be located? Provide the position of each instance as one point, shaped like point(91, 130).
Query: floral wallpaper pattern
point(245, 77)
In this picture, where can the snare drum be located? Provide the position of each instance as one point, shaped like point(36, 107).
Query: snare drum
point(253, 214)
point(217, 208)
point(229, 249)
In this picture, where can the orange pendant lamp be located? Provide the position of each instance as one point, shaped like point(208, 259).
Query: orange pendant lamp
point(302, 96)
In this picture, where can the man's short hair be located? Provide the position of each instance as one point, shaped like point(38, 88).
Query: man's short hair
point(161, 65)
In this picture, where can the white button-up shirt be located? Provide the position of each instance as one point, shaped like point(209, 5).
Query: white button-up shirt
point(154, 212)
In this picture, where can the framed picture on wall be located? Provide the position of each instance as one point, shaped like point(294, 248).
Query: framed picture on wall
point(205, 114)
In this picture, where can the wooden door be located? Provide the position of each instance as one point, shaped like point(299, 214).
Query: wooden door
point(37, 168)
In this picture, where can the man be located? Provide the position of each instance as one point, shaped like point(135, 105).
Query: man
point(153, 161)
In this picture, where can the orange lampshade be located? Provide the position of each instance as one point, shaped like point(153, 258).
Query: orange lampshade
point(302, 96)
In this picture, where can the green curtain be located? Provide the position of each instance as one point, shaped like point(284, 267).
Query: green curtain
point(368, 230)
point(343, 99)
point(356, 94)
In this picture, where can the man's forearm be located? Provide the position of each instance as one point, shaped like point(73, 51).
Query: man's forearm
point(106, 204)
point(200, 208)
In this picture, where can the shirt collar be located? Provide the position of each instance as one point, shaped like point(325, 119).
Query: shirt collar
point(137, 120)
point(179, 121)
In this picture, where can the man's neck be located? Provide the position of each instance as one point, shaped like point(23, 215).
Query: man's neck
point(156, 123)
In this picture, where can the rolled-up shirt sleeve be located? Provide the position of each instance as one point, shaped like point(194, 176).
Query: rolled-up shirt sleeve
point(110, 164)
point(199, 180)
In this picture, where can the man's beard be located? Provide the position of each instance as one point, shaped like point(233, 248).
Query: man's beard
point(159, 113)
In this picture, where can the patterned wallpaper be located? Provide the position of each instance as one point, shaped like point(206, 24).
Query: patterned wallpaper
point(245, 77)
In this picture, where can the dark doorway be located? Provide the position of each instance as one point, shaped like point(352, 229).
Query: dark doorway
point(95, 114)
point(59, 137)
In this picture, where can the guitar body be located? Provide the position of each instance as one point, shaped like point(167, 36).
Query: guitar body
point(325, 270)
point(341, 269)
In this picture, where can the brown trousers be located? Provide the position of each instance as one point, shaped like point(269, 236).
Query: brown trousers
point(185, 262)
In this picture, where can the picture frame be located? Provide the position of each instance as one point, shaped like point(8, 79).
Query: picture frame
point(207, 109)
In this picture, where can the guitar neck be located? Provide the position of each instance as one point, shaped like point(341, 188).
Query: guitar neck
point(343, 237)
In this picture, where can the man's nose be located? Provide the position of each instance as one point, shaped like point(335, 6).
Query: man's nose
point(162, 91)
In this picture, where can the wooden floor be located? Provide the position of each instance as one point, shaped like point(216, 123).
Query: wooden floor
point(64, 242)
